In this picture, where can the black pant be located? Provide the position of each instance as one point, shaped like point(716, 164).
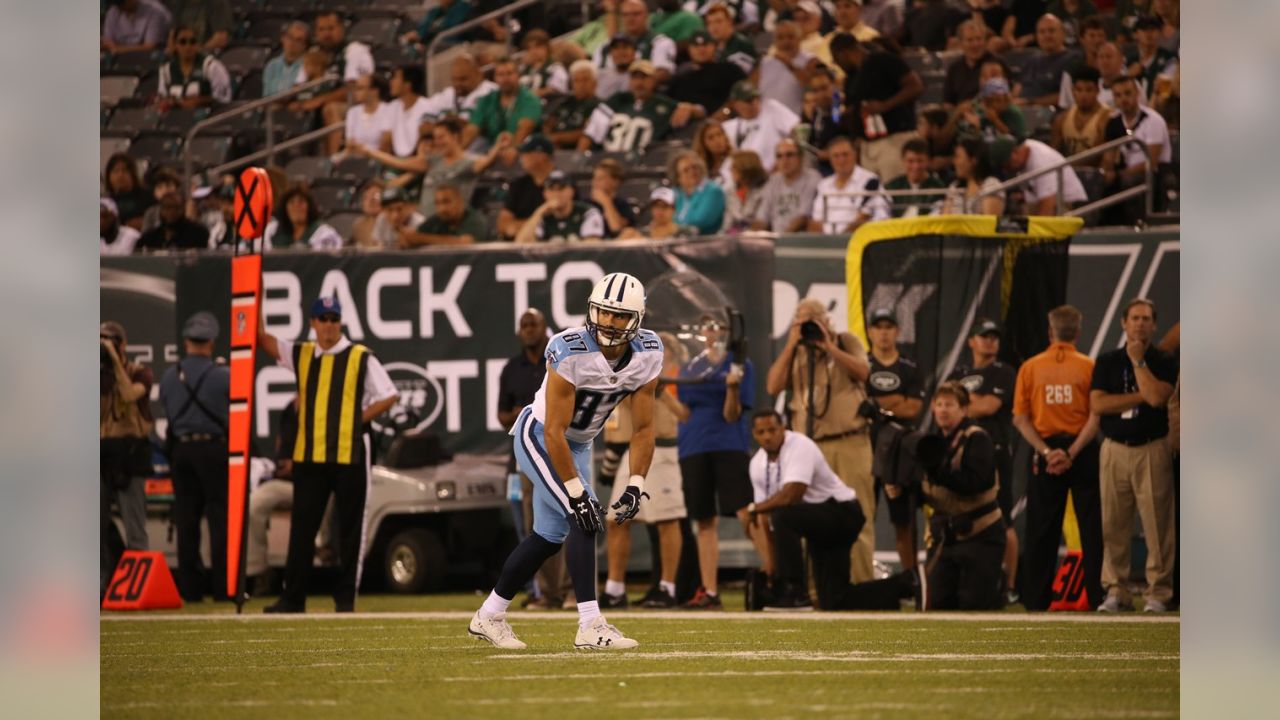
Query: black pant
point(830, 529)
point(199, 472)
point(312, 485)
point(1046, 505)
point(967, 574)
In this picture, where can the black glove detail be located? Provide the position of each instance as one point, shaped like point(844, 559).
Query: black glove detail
point(586, 513)
point(629, 504)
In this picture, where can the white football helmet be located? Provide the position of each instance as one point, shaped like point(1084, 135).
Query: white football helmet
point(620, 294)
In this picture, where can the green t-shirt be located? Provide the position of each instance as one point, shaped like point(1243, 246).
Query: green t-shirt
point(583, 221)
point(1012, 117)
point(471, 223)
point(913, 205)
point(740, 51)
point(573, 113)
point(591, 36)
point(493, 119)
point(620, 126)
point(679, 25)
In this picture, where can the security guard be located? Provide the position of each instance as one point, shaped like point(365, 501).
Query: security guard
point(990, 385)
point(195, 395)
point(966, 530)
point(341, 387)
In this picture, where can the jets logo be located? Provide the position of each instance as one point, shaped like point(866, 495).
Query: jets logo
point(884, 381)
point(240, 322)
point(972, 383)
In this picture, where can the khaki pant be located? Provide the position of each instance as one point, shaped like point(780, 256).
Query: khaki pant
point(884, 156)
point(850, 459)
point(1138, 478)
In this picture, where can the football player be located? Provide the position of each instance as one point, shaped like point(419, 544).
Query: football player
point(589, 371)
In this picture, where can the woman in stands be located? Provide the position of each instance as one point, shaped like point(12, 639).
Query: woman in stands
point(300, 226)
point(712, 145)
point(699, 201)
point(973, 177)
point(123, 185)
point(742, 202)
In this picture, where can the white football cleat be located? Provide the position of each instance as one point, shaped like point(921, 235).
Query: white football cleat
point(600, 635)
point(496, 631)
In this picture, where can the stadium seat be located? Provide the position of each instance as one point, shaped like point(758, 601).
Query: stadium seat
point(263, 28)
point(288, 124)
point(1018, 57)
point(395, 4)
point(131, 121)
point(659, 154)
point(136, 63)
point(1037, 117)
point(375, 32)
point(209, 150)
point(393, 56)
point(922, 61)
point(242, 59)
point(109, 146)
point(355, 168)
point(180, 120)
point(249, 87)
point(307, 167)
point(332, 198)
point(636, 190)
point(111, 88)
point(241, 123)
point(292, 7)
point(343, 222)
point(156, 147)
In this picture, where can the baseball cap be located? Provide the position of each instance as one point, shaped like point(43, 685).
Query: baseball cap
point(1148, 22)
point(663, 194)
point(326, 305)
point(702, 37)
point(744, 90)
point(642, 66)
point(394, 195)
point(536, 142)
point(557, 178)
point(1001, 149)
point(809, 6)
point(202, 326)
point(621, 38)
point(985, 326)
point(883, 315)
point(994, 86)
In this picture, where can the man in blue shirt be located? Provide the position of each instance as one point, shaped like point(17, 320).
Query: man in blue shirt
point(713, 448)
point(281, 71)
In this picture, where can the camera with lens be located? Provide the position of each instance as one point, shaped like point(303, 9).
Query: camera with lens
point(901, 456)
point(811, 332)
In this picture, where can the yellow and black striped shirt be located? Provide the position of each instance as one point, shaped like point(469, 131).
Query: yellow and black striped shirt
point(330, 403)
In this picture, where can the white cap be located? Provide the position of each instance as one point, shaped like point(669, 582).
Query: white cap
point(665, 194)
point(809, 6)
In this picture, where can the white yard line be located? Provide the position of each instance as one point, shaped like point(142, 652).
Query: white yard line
point(1143, 670)
point(465, 615)
point(853, 656)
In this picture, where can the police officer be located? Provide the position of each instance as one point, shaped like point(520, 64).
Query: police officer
point(195, 395)
point(990, 385)
point(341, 387)
point(966, 530)
point(896, 386)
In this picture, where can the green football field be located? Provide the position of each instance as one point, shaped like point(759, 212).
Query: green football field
point(411, 657)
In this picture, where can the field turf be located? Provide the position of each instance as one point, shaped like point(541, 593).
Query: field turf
point(412, 658)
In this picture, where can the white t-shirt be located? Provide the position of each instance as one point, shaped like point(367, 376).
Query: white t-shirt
point(763, 132)
point(377, 383)
point(366, 128)
point(446, 101)
point(1150, 128)
point(126, 238)
point(1047, 184)
point(799, 461)
point(404, 125)
point(837, 209)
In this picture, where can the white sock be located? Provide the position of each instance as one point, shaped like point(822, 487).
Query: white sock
point(494, 605)
point(588, 611)
point(713, 593)
point(615, 588)
point(667, 587)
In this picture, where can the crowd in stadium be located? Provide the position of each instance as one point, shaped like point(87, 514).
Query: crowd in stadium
point(657, 120)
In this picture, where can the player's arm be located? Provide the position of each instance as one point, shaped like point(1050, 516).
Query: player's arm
point(790, 494)
point(560, 400)
point(643, 431)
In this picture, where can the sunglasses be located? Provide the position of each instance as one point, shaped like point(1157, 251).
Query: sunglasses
point(329, 318)
point(185, 41)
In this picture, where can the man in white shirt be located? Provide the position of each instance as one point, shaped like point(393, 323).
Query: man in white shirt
point(805, 499)
point(351, 60)
point(760, 124)
point(784, 72)
point(1018, 158)
point(466, 87)
point(1127, 166)
point(836, 209)
point(408, 110)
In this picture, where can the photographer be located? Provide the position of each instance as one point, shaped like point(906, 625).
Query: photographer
point(824, 374)
point(966, 530)
point(124, 424)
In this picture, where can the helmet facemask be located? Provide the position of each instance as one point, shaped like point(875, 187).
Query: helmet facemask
point(607, 335)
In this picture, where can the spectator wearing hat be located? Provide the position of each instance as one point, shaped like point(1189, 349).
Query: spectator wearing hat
point(398, 213)
point(1156, 65)
point(785, 70)
point(662, 223)
point(788, 195)
point(538, 72)
point(454, 223)
point(565, 123)
point(699, 202)
point(1083, 124)
point(1127, 166)
point(704, 81)
point(114, 238)
point(524, 195)
point(990, 383)
point(880, 94)
point(195, 395)
point(760, 123)
point(629, 121)
point(614, 76)
point(135, 26)
point(675, 22)
point(1041, 76)
point(561, 218)
point(836, 209)
point(512, 108)
point(176, 231)
point(658, 49)
point(731, 46)
point(124, 425)
point(962, 75)
point(918, 176)
point(606, 180)
point(300, 225)
point(993, 113)
point(329, 458)
point(1041, 193)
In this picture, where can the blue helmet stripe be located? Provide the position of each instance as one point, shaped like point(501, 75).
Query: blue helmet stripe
point(612, 279)
point(622, 289)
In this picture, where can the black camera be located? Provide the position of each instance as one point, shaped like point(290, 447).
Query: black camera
point(901, 456)
point(811, 332)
